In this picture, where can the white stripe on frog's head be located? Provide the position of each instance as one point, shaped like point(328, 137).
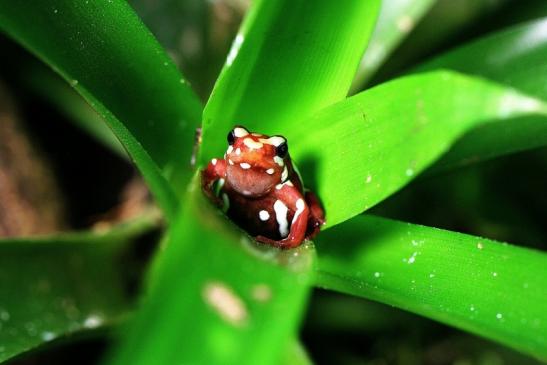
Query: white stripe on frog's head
point(252, 144)
point(240, 132)
point(274, 141)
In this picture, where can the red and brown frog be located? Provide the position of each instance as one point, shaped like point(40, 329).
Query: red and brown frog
point(258, 187)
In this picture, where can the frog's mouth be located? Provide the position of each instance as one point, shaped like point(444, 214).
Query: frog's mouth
point(251, 182)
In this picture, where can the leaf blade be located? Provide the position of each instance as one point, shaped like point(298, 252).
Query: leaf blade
point(515, 56)
point(290, 58)
point(66, 284)
point(491, 289)
point(85, 44)
point(373, 143)
point(241, 302)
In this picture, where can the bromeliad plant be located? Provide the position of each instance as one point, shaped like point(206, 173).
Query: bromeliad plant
point(214, 295)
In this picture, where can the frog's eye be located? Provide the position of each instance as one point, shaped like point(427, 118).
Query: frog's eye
point(282, 149)
point(231, 137)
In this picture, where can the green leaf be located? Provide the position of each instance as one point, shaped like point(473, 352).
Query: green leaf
point(482, 286)
point(396, 20)
point(107, 54)
point(216, 297)
point(290, 59)
point(54, 287)
point(516, 57)
point(361, 150)
point(295, 354)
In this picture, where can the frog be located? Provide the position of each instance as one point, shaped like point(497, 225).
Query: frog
point(259, 188)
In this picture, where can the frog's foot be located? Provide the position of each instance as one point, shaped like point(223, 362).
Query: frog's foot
point(285, 243)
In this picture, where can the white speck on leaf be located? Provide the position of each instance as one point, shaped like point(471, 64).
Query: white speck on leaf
point(499, 316)
point(405, 23)
point(225, 302)
point(261, 293)
point(409, 172)
point(238, 41)
point(4, 316)
point(480, 245)
point(376, 274)
point(48, 336)
point(412, 258)
point(93, 321)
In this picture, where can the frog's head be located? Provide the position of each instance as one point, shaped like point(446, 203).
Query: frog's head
point(255, 163)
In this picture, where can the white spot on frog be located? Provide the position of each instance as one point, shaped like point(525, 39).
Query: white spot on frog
point(240, 132)
point(278, 160)
point(285, 174)
point(270, 171)
point(300, 205)
point(274, 141)
point(245, 165)
point(263, 215)
point(281, 217)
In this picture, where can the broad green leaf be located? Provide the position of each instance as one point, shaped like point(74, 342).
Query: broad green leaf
point(107, 54)
point(489, 288)
point(295, 355)
point(396, 20)
point(216, 297)
point(516, 57)
point(370, 145)
point(57, 286)
point(290, 59)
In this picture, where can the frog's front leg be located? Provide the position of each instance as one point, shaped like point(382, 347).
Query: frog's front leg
point(216, 170)
point(317, 215)
point(288, 197)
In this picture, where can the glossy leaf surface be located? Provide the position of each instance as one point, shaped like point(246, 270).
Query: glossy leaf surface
point(106, 53)
point(290, 59)
point(58, 286)
point(516, 57)
point(361, 150)
point(482, 286)
point(216, 297)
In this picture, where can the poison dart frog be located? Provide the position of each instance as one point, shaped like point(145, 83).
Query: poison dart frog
point(258, 187)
